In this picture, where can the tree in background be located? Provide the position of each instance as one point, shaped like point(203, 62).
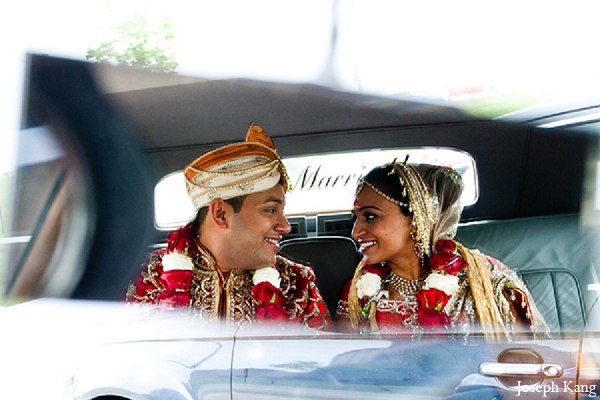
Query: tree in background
point(138, 45)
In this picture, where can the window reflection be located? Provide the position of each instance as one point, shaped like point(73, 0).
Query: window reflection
point(45, 219)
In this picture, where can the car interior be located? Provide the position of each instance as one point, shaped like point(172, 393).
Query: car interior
point(533, 192)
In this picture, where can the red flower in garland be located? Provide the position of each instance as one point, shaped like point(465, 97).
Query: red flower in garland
point(447, 258)
point(431, 304)
point(440, 285)
point(444, 246)
point(377, 269)
point(182, 241)
point(177, 284)
point(432, 299)
point(269, 303)
point(177, 268)
point(433, 319)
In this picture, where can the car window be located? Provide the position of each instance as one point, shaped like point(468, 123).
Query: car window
point(321, 183)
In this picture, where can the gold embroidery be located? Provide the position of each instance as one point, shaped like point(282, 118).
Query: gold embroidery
point(239, 299)
point(208, 296)
point(234, 303)
point(148, 277)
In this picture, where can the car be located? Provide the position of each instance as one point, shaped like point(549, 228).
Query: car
point(85, 210)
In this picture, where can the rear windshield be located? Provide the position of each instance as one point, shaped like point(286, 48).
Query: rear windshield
point(323, 183)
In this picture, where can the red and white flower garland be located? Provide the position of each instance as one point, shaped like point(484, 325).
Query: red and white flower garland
point(177, 272)
point(269, 303)
point(177, 268)
point(439, 287)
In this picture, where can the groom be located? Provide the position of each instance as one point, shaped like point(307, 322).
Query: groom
point(224, 264)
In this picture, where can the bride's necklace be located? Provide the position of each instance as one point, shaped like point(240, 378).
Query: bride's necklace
point(408, 304)
point(404, 287)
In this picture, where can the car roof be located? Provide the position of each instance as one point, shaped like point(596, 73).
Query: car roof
point(523, 171)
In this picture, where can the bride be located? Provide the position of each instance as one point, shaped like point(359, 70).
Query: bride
point(413, 277)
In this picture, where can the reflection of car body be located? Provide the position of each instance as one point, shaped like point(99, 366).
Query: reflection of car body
point(275, 364)
point(529, 214)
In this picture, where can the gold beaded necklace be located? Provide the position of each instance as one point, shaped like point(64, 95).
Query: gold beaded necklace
point(406, 288)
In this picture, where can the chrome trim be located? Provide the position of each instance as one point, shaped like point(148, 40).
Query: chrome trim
point(15, 239)
point(545, 371)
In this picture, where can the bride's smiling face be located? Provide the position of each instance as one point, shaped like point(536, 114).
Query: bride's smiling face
point(381, 230)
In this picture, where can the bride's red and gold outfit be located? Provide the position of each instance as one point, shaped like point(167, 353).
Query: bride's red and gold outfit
point(233, 298)
point(427, 309)
point(458, 290)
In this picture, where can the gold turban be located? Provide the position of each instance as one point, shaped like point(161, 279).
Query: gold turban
point(235, 170)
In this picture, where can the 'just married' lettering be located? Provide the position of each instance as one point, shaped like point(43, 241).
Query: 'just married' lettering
point(312, 178)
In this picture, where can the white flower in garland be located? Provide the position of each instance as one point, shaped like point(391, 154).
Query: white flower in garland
point(446, 283)
point(268, 274)
point(175, 260)
point(367, 285)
